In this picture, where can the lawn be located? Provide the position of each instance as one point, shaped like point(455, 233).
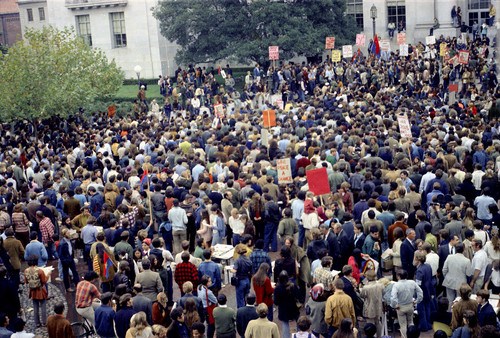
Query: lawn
point(130, 91)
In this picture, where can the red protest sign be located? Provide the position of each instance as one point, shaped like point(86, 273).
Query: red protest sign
point(463, 57)
point(111, 111)
point(360, 40)
point(330, 43)
point(453, 88)
point(269, 118)
point(401, 38)
point(317, 179)
point(274, 52)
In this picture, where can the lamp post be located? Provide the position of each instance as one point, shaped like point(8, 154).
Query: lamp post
point(373, 15)
point(137, 70)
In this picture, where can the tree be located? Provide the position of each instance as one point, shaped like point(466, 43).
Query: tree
point(53, 73)
point(212, 30)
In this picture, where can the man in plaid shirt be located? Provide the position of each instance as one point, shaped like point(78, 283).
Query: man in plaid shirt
point(185, 272)
point(86, 293)
point(323, 275)
point(259, 256)
point(47, 230)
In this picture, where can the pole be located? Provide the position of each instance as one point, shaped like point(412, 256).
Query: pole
point(139, 82)
point(150, 206)
point(373, 28)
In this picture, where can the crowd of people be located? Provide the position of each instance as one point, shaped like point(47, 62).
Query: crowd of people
point(411, 223)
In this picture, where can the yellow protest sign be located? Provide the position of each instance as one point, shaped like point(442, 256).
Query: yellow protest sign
point(442, 49)
point(336, 55)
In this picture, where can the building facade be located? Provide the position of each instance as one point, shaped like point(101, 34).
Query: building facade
point(10, 24)
point(417, 16)
point(124, 29)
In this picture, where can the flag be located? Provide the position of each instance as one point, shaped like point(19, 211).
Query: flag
point(108, 263)
point(220, 69)
point(359, 53)
point(354, 58)
point(377, 46)
point(144, 179)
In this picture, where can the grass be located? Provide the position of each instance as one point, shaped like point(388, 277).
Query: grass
point(130, 91)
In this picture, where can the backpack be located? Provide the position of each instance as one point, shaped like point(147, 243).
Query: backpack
point(34, 281)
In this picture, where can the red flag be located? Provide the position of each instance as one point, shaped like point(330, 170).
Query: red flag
point(144, 178)
point(107, 264)
point(377, 46)
point(220, 69)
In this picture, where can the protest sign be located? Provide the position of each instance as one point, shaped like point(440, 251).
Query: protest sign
point(442, 49)
point(401, 38)
point(336, 55)
point(430, 40)
point(269, 118)
point(264, 133)
point(453, 87)
point(403, 50)
point(385, 45)
point(219, 110)
point(317, 179)
point(279, 103)
point(404, 126)
point(347, 51)
point(284, 171)
point(463, 57)
point(330, 43)
point(274, 53)
point(360, 40)
point(111, 111)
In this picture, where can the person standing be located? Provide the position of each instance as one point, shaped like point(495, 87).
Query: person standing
point(245, 314)
point(423, 277)
point(338, 306)
point(150, 281)
point(261, 327)
point(263, 288)
point(407, 251)
point(178, 217)
point(225, 318)
point(479, 264)
point(104, 317)
point(457, 268)
point(16, 251)
point(57, 325)
point(243, 271)
point(47, 229)
point(86, 296)
point(123, 316)
point(142, 303)
point(402, 295)
point(372, 294)
point(88, 235)
point(36, 280)
point(66, 253)
point(272, 217)
point(36, 248)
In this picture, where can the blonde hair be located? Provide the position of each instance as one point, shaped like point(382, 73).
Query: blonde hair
point(138, 323)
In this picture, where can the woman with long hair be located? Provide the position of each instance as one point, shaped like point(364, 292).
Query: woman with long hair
point(106, 216)
point(106, 272)
point(286, 297)
point(209, 302)
point(263, 288)
point(218, 225)
point(191, 314)
point(139, 327)
point(20, 223)
point(205, 230)
point(492, 247)
point(470, 326)
point(256, 215)
point(470, 216)
point(346, 330)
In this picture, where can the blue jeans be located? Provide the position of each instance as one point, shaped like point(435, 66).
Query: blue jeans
point(331, 331)
point(51, 250)
point(270, 235)
point(285, 329)
point(270, 313)
point(86, 256)
point(236, 239)
point(302, 233)
point(424, 315)
point(242, 290)
point(70, 265)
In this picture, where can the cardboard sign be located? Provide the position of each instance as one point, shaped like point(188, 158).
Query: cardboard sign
point(317, 179)
point(347, 51)
point(274, 53)
point(404, 126)
point(453, 88)
point(215, 123)
point(403, 50)
point(401, 38)
point(463, 57)
point(269, 118)
point(442, 49)
point(284, 171)
point(452, 60)
point(330, 43)
point(219, 110)
point(385, 45)
point(111, 111)
point(360, 40)
point(336, 55)
point(265, 137)
point(430, 40)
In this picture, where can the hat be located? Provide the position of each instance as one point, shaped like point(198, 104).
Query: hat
point(147, 241)
point(316, 291)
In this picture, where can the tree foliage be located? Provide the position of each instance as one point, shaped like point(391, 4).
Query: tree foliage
point(53, 72)
point(242, 30)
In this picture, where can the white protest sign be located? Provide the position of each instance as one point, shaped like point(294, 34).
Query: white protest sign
point(403, 50)
point(404, 126)
point(430, 40)
point(385, 45)
point(347, 51)
point(284, 171)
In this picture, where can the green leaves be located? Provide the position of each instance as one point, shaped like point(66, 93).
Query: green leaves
point(242, 30)
point(53, 72)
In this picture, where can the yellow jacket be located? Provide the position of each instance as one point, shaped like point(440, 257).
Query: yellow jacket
point(339, 306)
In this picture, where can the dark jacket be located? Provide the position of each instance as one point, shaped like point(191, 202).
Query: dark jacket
point(122, 320)
point(286, 300)
point(63, 252)
point(486, 315)
point(314, 247)
point(10, 298)
point(243, 316)
point(407, 253)
point(272, 213)
point(174, 330)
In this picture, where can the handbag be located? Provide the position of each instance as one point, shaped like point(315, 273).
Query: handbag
point(235, 281)
point(210, 309)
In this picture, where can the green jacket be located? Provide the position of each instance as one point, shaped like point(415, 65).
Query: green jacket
point(305, 266)
point(225, 319)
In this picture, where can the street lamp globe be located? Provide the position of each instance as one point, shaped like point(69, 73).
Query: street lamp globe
point(137, 69)
point(373, 12)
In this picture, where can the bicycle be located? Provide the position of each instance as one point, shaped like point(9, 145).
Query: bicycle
point(83, 329)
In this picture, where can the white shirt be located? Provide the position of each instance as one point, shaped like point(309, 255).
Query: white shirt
point(236, 225)
point(432, 259)
point(479, 262)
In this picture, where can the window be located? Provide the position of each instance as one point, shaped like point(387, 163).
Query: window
point(355, 9)
point(478, 11)
point(479, 4)
point(396, 11)
point(83, 28)
point(41, 13)
point(118, 30)
point(30, 14)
